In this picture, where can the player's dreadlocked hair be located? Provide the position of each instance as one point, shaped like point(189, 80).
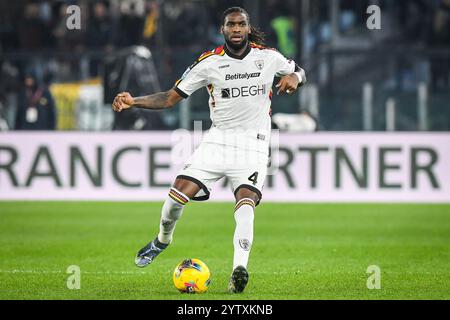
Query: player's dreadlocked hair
point(256, 35)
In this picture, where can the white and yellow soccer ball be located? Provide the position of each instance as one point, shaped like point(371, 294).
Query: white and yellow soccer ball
point(192, 276)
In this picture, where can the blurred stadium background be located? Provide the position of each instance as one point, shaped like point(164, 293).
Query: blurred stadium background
point(379, 99)
point(353, 72)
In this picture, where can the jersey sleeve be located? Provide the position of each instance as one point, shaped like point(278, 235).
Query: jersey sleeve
point(194, 78)
point(284, 66)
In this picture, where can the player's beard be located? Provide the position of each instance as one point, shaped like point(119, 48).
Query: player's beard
point(237, 46)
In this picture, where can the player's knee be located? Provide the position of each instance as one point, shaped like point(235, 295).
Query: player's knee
point(245, 193)
point(186, 187)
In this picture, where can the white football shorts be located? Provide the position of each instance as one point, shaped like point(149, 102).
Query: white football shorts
point(211, 162)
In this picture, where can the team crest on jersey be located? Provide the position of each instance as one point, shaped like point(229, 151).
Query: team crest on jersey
point(259, 64)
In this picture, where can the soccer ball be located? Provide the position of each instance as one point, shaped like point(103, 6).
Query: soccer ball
point(192, 276)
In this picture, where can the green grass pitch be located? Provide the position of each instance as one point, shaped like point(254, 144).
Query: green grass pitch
point(301, 251)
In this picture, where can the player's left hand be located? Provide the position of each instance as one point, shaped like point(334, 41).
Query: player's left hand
point(288, 84)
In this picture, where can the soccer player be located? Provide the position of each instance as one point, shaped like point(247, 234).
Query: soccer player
point(239, 77)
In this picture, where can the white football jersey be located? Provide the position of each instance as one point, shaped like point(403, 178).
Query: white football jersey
point(240, 93)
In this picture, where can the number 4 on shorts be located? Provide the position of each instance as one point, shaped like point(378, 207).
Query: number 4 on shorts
point(254, 178)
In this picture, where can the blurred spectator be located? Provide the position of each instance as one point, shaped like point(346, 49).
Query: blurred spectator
point(440, 38)
point(36, 107)
point(284, 25)
point(99, 35)
point(31, 30)
point(151, 24)
point(130, 25)
point(318, 27)
point(412, 17)
point(183, 24)
point(9, 85)
point(353, 14)
point(441, 24)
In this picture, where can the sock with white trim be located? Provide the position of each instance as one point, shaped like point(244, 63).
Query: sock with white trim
point(171, 212)
point(243, 234)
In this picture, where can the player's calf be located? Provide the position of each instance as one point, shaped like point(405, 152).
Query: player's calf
point(171, 212)
point(243, 238)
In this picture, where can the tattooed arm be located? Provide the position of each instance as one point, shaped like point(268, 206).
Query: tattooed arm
point(157, 101)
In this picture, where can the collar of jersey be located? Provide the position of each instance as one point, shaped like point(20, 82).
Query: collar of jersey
point(234, 56)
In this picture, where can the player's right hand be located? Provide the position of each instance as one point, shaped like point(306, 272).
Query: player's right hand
point(122, 101)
